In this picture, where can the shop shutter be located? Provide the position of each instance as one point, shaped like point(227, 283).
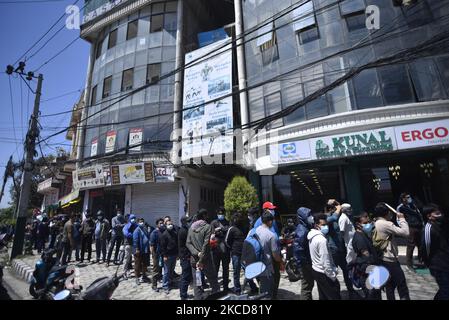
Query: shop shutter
point(155, 200)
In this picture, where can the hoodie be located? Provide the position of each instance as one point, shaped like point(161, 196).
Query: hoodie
point(128, 229)
point(321, 258)
point(198, 240)
point(300, 243)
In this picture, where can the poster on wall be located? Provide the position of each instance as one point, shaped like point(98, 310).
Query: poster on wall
point(110, 141)
point(132, 173)
point(290, 152)
point(426, 134)
point(135, 138)
point(89, 177)
point(206, 121)
point(94, 147)
point(353, 144)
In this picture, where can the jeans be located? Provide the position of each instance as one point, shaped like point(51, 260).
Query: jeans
point(328, 289)
point(117, 242)
point(169, 268)
point(442, 279)
point(66, 252)
point(86, 245)
point(307, 282)
point(267, 285)
point(52, 241)
point(186, 277)
point(156, 271)
point(223, 259)
point(128, 257)
point(77, 248)
point(397, 280)
point(236, 267)
point(100, 247)
point(340, 261)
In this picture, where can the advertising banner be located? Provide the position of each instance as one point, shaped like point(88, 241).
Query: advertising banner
point(132, 173)
point(88, 178)
point(94, 147)
point(419, 135)
point(135, 138)
point(290, 152)
point(110, 140)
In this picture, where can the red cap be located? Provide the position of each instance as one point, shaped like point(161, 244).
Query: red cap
point(268, 205)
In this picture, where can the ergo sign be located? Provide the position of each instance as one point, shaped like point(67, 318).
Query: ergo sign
point(425, 134)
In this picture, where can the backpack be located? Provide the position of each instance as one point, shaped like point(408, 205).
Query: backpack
point(380, 244)
point(252, 250)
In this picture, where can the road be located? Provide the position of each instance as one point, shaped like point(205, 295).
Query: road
point(13, 288)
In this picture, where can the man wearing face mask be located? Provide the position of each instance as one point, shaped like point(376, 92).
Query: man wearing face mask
point(347, 230)
point(384, 240)
point(220, 252)
point(324, 270)
point(301, 251)
point(87, 232)
point(415, 223)
point(184, 258)
point(155, 248)
point(169, 252)
point(128, 231)
point(252, 216)
point(141, 250)
point(268, 206)
point(118, 222)
point(102, 228)
point(435, 249)
point(365, 252)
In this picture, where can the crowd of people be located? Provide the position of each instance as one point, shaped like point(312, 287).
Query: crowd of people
point(323, 243)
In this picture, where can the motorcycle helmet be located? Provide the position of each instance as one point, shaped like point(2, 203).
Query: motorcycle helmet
point(294, 273)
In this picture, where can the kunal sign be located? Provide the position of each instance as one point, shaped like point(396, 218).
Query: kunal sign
point(353, 144)
point(131, 173)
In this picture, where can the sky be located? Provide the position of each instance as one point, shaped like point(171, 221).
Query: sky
point(21, 24)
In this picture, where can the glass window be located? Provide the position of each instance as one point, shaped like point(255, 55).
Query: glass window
point(426, 80)
point(98, 50)
point(303, 16)
point(107, 87)
point(443, 67)
point(356, 22)
point(290, 96)
point(157, 8)
point(132, 30)
point(171, 6)
point(93, 97)
point(127, 79)
point(153, 72)
point(395, 83)
point(308, 35)
point(367, 89)
point(351, 6)
point(273, 105)
point(170, 22)
point(156, 23)
point(112, 39)
point(319, 106)
point(417, 15)
point(256, 108)
point(269, 49)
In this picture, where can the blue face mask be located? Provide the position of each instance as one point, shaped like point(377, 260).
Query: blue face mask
point(221, 217)
point(368, 227)
point(324, 230)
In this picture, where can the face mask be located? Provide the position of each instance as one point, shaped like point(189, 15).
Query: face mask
point(141, 224)
point(220, 217)
point(409, 200)
point(133, 220)
point(119, 214)
point(367, 227)
point(324, 229)
point(161, 227)
point(272, 212)
point(170, 227)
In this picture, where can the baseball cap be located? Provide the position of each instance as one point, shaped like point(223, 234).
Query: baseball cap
point(268, 205)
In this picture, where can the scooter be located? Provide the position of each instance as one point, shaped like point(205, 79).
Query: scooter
point(252, 271)
point(48, 277)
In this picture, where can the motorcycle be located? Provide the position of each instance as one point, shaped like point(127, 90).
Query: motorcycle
point(48, 277)
point(101, 289)
point(252, 271)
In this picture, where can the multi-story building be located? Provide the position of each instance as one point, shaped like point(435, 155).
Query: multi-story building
point(381, 131)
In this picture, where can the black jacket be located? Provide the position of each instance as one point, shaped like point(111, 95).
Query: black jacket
point(169, 243)
point(435, 246)
point(183, 252)
point(234, 239)
point(412, 215)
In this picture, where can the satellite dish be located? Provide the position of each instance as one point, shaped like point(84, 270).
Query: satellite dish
point(254, 269)
point(62, 295)
point(378, 277)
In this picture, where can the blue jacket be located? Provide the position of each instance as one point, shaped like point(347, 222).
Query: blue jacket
point(155, 240)
point(129, 228)
point(141, 240)
point(300, 243)
point(274, 228)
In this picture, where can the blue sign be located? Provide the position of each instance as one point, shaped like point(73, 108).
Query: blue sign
point(206, 38)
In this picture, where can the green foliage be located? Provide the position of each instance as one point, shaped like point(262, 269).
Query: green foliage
point(240, 196)
point(7, 216)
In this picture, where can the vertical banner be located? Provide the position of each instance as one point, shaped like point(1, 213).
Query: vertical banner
point(135, 138)
point(94, 147)
point(205, 122)
point(110, 141)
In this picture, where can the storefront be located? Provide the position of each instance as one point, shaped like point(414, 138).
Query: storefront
point(363, 168)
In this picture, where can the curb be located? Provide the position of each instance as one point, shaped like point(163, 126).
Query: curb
point(22, 270)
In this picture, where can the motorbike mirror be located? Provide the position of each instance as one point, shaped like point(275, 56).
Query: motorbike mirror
point(254, 269)
point(378, 276)
point(62, 295)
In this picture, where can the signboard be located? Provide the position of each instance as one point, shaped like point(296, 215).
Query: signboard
point(204, 123)
point(132, 173)
point(88, 178)
point(135, 138)
point(165, 174)
point(94, 147)
point(110, 141)
point(353, 144)
point(95, 8)
point(290, 152)
point(419, 135)
point(45, 186)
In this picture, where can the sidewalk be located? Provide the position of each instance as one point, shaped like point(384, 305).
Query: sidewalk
point(422, 286)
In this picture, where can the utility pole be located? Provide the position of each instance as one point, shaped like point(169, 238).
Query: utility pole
point(28, 166)
point(9, 171)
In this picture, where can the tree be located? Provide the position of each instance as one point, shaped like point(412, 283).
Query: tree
point(239, 196)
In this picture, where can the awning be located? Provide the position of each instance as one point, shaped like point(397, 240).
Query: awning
point(69, 199)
